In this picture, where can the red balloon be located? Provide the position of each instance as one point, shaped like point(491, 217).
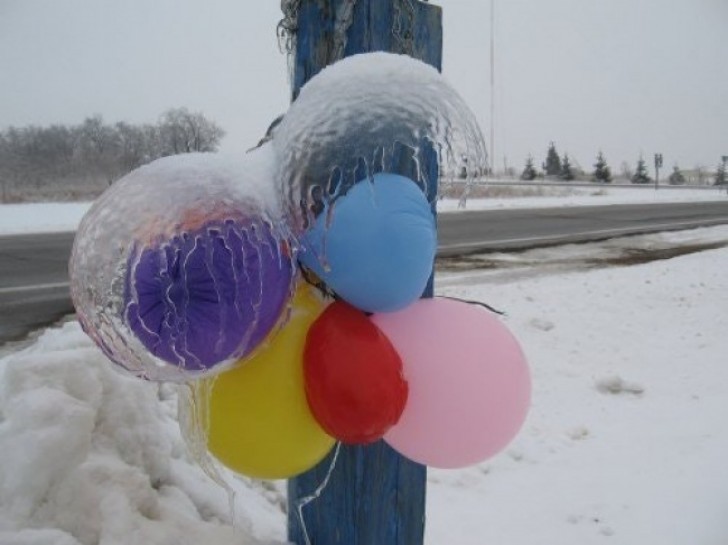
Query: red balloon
point(352, 375)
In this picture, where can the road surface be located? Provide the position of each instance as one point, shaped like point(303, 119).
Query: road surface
point(33, 282)
point(511, 229)
point(34, 277)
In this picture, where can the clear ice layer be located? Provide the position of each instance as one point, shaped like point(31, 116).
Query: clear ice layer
point(183, 266)
point(369, 113)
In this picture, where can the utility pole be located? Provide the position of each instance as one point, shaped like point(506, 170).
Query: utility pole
point(491, 159)
point(374, 496)
point(658, 165)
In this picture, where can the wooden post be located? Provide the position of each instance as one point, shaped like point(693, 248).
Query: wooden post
point(374, 496)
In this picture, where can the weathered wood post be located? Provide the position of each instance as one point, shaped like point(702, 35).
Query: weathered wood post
point(375, 496)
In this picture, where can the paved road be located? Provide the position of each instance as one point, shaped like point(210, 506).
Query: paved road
point(34, 278)
point(470, 232)
point(33, 282)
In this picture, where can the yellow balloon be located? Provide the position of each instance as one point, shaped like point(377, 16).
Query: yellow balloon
point(256, 416)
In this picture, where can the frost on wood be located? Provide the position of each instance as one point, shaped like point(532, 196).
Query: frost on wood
point(402, 27)
point(288, 25)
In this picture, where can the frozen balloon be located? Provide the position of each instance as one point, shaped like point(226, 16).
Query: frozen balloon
point(374, 246)
point(183, 266)
point(255, 417)
point(353, 376)
point(469, 385)
point(208, 294)
point(369, 113)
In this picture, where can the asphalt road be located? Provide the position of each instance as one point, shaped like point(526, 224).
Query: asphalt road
point(33, 282)
point(34, 277)
point(472, 232)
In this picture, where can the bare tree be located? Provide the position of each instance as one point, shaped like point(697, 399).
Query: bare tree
point(81, 160)
point(98, 145)
point(701, 175)
point(183, 131)
point(625, 171)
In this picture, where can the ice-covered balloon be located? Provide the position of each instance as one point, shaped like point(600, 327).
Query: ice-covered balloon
point(368, 113)
point(376, 247)
point(183, 265)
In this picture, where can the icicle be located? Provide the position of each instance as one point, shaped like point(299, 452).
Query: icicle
point(303, 502)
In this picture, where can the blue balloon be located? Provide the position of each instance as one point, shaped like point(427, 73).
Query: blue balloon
point(375, 247)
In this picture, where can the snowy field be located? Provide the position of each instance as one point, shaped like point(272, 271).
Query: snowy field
point(625, 444)
point(47, 217)
point(53, 217)
point(500, 196)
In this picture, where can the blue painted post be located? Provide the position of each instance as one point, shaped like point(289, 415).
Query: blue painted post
point(375, 496)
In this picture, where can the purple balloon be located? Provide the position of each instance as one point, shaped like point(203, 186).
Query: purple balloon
point(209, 295)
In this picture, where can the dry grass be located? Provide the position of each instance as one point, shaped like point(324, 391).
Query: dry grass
point(484, 191)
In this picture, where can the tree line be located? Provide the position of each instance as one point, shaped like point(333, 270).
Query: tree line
point(69, 162)
point(560, 167)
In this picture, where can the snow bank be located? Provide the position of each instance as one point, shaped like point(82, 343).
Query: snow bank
point(91, 456)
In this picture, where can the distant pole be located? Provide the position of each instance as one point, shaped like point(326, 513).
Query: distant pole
point(658, 164)
point(374, 496)
point(491, 159)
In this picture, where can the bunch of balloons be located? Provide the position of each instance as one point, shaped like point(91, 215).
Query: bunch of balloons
point(285, 287)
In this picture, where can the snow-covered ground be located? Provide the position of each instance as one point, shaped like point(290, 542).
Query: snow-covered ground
point(501, 196)
point(626, 438)
point(626, 441)
point(47, 217)
point(53, 217)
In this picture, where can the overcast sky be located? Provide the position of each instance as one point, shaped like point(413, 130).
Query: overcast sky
point(624, 76)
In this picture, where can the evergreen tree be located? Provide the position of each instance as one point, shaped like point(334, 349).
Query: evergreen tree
point(529, 172)
point(641, 176)
point(566, 172)
point(676, 178)
point(552, 167)
point(721, 178)
point(602, 173)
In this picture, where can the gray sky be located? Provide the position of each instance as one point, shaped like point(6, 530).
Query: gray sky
point(624, 76)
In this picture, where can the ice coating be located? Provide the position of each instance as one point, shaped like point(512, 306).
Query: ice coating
point(183, 265)
point(368, 113)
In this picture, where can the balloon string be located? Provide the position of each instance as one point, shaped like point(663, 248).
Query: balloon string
point(478, 303)
point(303, 502)
point(310, 277)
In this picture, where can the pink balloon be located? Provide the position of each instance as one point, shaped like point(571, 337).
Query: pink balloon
point(469, 385)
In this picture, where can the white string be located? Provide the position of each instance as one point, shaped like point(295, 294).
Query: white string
point(303, 502)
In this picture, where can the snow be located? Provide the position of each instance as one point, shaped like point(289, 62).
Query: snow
point(626, 436)
point(47, 217)
point(55, 217)
point(91, 456)
point(523, 196)
point(625, 441)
